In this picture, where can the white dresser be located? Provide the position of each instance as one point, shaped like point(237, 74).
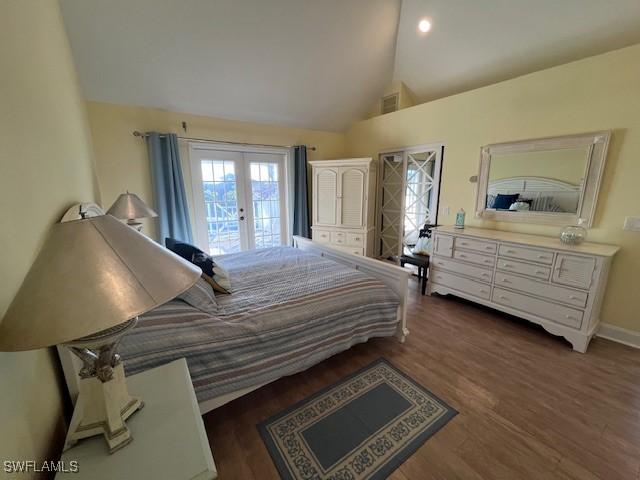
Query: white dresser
point(537, 278)
point(343, 206)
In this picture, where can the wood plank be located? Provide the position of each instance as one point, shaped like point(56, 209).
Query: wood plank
point(529, 406)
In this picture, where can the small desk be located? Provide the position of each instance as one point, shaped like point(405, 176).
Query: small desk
point(169, 440)
point(420, 261)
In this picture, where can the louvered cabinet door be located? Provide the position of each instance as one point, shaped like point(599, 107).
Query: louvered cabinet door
point(351, 196)
point(574, 271)
point(326, 196)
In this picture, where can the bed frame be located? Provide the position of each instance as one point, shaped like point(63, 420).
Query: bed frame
point(392, 276)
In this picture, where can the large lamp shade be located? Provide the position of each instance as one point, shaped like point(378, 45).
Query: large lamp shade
point(90, 275)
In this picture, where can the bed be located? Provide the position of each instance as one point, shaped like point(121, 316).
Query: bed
point(290, 309)
point(542, 194)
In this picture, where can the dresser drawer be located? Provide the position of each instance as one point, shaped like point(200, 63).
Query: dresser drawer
point(443, 245)
point(474, 258)
point(476, 245)
point(536, 271)
point(472, 287)
point(541, 308)
point(479, 273)
point(552, 292)
point(354, 250)
point(540, 256)
point(356, 239)
point(339, 238)
point(323, 236)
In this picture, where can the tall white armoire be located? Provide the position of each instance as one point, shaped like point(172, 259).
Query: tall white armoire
point(343, 204)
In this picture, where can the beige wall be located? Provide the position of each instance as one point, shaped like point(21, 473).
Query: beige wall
point(598, 93)
point(121, 158)
point(45, 166)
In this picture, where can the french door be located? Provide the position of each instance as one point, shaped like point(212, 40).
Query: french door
point(408, 196)
point(239, 199)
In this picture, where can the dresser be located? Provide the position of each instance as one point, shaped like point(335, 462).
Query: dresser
point(537, 278)
point(343, 206)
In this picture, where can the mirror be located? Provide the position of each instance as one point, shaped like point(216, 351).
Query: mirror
point(552, 180)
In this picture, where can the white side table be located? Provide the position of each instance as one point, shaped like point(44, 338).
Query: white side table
point(169, 440)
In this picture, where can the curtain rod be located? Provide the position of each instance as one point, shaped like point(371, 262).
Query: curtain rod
point(136, 133)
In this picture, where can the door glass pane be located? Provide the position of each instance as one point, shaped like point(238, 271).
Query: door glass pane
point(418, 199)
point(391, 214)
point(265, 194)
point(221, 206)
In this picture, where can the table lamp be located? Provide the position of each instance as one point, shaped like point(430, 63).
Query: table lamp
point(86, 288)
point(129, 207)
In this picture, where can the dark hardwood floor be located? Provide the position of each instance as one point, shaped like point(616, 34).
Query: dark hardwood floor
point(529, 406)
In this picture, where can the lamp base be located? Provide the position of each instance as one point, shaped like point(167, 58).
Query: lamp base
point(135, 224)
point(104, 403)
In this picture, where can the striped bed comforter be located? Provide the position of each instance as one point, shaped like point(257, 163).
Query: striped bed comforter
point(288, 311)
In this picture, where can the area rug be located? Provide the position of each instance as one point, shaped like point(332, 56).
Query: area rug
point(362, 427)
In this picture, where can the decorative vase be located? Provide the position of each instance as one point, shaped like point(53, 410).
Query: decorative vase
point(460, 219)
point(573, 234)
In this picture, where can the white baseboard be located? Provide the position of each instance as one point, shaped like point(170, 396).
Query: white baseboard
point(619, 334)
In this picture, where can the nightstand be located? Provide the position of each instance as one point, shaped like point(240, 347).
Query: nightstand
point(169, 440)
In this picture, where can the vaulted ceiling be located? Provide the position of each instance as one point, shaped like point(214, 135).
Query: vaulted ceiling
point(323, 64)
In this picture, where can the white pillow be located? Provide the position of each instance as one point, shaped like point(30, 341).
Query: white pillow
point(221, 276)
point(201, 296)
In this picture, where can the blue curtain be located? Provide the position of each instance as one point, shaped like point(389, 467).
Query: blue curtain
point(301, 224)
point(168, 187)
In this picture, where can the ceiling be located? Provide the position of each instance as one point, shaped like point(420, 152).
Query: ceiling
point(474, 43)
point(323, 64)
point(305, 63)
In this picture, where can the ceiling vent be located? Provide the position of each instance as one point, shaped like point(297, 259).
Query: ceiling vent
point(389, 103)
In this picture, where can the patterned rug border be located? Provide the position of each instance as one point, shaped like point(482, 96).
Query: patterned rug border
point(393, 462)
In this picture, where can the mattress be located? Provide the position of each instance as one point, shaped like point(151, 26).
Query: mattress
point(288, 310)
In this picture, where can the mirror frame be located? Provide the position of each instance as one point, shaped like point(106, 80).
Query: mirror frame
point(597, 143)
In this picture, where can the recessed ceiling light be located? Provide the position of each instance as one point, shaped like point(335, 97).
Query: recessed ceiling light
point(424, 26)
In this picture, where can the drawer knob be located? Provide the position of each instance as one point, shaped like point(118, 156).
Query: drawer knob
point(485, 274)
point(483, 291)
point(488, 247)
point(462, 255)
point(508, 265)
point(573, 297)
point(487, 261)
point(463, 243)
point(541, 272)
point(571, 317)
point(511, 251)
point(504, 280)
point(502, 297)
point(543, 257)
